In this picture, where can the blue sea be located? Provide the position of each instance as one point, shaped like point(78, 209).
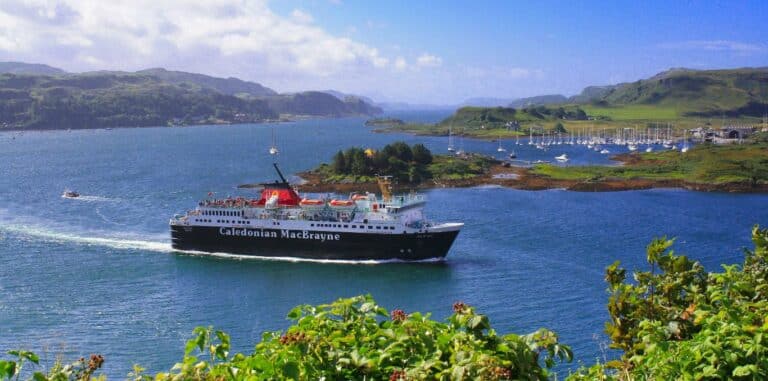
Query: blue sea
point(97, 274)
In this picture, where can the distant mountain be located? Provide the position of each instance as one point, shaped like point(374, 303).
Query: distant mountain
point(538, 101)
point(487, 102)
point(229, 86)
point(27, 68)
point(154, 97)
point(343, 96)
point(316, 103)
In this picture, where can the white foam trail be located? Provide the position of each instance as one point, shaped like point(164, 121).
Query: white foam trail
point(115, 243)
point(310, 260)
point(91, 198)
point(164, 247)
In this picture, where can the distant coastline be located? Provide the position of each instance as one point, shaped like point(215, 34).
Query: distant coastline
point(31, 99)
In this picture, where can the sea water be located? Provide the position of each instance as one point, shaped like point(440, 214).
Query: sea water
point(96, 274)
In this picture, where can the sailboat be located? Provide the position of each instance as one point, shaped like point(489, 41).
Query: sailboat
point(450, 139)
point(500, 149)
point(461, 146)
point(685, 142)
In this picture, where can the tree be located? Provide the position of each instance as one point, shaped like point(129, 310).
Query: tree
point(358, 165)
point(421, 154)
point(580, 114)
point(402, 151)
point(560, 129)
point(339, 163)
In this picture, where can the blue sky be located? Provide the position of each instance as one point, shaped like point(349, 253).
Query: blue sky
point(419, 52)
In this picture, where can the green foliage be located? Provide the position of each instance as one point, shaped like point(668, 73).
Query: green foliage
point(684, 323)
point(404, 163)
point(355, 339)
point(80, 370)
point(339, 162)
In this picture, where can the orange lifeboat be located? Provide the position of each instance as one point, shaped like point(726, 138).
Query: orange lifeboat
point(342, 203)
point(311, 204)
point(359, 197)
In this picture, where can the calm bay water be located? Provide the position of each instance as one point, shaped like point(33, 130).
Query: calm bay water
point(97, 275)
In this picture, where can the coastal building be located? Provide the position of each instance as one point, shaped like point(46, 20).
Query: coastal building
point(735, 132)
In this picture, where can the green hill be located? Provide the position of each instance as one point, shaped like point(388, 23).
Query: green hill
point(732, 92)
point(152, 98)
point(229, 86)
point(27, 68)
point(498, 117)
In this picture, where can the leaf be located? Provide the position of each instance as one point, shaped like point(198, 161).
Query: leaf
point(39, 377)
point(7, 369)
point(31, 356)
point(744, 370)
point(291, 370)
point(295, 313)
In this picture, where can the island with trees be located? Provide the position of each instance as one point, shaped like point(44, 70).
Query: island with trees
point(409, 166)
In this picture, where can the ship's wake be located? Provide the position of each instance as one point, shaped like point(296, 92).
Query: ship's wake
point(91, 198)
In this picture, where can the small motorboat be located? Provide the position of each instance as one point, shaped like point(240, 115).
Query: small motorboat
point(562, 158)
point(70, 194)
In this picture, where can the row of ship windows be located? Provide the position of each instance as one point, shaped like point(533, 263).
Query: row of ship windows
point(223, 221)
point(223, 213)
point(353, 226)
point(318, 225)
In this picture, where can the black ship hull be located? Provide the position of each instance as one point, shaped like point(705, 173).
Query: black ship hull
point(312, 244)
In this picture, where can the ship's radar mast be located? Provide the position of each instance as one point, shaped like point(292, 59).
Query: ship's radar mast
point(385, 185)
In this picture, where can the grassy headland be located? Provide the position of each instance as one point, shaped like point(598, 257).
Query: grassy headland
point(708, 167)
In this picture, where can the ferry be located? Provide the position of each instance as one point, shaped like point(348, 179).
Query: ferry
point(280, 223)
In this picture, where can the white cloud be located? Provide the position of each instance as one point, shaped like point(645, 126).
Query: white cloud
point(240, 38)
point(400, 63)
point(223, 36)
point(716, 45)
point(428, 60)
point(302, 17)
